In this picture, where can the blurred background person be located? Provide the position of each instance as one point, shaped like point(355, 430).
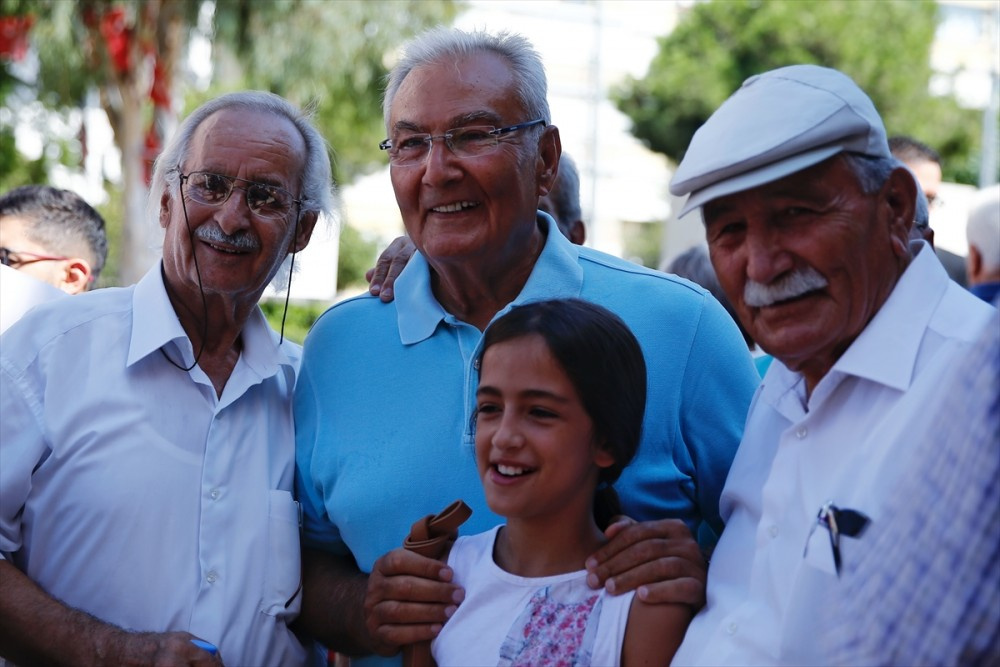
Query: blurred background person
point(925, 163)
point(983, 234)
point(52, 243)
point(924, 587)
point(53, 235)
point(563, 201)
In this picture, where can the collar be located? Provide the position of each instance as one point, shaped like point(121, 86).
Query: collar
point(894, 335)
point(886, 350)
point(556, 274)
point(155, 324)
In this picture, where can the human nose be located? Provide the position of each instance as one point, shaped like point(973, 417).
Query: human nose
point(508, 434)
point(766, 258)
point(440, 164)
point(235, 213)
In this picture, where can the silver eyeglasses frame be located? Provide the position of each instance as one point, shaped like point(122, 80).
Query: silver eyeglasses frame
point(449, 138)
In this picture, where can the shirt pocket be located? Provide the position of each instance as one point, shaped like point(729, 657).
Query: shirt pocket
point(819, 551)
point(282, 594)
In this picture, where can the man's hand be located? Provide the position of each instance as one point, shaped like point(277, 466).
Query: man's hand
point(388, 267)
point(167, 649)
point(660, 559)
point(409, 598)
point(37, 629)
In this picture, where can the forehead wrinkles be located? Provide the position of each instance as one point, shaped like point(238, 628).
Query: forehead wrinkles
point(469, 89)
point(262, 146)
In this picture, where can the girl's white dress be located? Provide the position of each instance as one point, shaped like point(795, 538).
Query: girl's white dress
point(511, 620)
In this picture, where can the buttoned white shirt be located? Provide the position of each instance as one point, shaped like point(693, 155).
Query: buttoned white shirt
point(131, 490)
point(773, 568)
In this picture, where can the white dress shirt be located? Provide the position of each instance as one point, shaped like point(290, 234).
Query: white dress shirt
point(19, 293)
point(773, 568)
point(130, 490)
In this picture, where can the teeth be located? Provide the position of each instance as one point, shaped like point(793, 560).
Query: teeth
point(510, 471)
point(454, 208)
point(221, 249)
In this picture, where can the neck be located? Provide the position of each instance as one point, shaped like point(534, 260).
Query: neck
point(536, 549)
point(474, 290)
point(214, 327)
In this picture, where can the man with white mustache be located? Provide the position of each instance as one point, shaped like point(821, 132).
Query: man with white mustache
point(148, 446)
point(807, 218)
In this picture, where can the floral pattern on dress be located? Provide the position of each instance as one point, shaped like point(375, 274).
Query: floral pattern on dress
point(556, 629)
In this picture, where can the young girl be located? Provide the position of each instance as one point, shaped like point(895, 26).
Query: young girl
point(560, 403)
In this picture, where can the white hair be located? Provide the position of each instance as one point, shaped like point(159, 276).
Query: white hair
point(983, 227)
point(318, 191)
point(450, 44)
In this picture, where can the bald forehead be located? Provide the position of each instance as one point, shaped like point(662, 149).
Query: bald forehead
point(265, 143)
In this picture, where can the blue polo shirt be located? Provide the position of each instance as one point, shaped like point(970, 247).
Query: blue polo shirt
point(386, 391)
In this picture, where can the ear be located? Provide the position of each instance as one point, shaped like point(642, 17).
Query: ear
point(165, 202)
point(76, 276)
point(603, 458)
point(549, 150)
point(973, 264)
point(577, 232)
point(899, 196)
point(307, 223)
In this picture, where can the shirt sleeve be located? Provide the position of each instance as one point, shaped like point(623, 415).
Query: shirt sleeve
point(22, 450)
point(719, 382)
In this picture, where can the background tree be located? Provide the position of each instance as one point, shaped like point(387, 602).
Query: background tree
point(884, 46)
point(331, 56)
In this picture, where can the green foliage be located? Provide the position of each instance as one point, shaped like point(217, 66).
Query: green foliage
point(15, 169)
point(301, 316)
point(642, 242)
point(884, 46)
point(331, 56)
point(356, 255)
point(113, 212)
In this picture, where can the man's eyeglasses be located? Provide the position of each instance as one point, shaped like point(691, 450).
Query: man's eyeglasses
point(265, 201)
point(16, 258)
point(408, 148)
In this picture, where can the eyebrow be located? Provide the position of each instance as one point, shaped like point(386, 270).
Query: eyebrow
point(273, 181)
point(527, 393)
point(473, 117)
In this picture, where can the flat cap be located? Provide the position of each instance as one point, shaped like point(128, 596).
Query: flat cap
point(776, 124)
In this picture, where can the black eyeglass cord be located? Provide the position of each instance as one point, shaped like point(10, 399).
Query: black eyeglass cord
point(291, 270)
point(204, 300)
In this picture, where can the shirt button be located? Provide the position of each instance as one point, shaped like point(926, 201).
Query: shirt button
point(802, 432)
point(215, 494)
point(731, 629)
point(773, 531)
point(212, 577)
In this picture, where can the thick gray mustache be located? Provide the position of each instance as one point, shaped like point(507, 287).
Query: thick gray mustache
point(757, 295)
point(241, 240)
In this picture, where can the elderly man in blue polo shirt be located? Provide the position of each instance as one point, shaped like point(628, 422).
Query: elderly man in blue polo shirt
point(807, 217)
point(471, 150)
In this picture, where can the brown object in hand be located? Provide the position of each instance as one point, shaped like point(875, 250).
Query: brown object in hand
point(430, 537)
